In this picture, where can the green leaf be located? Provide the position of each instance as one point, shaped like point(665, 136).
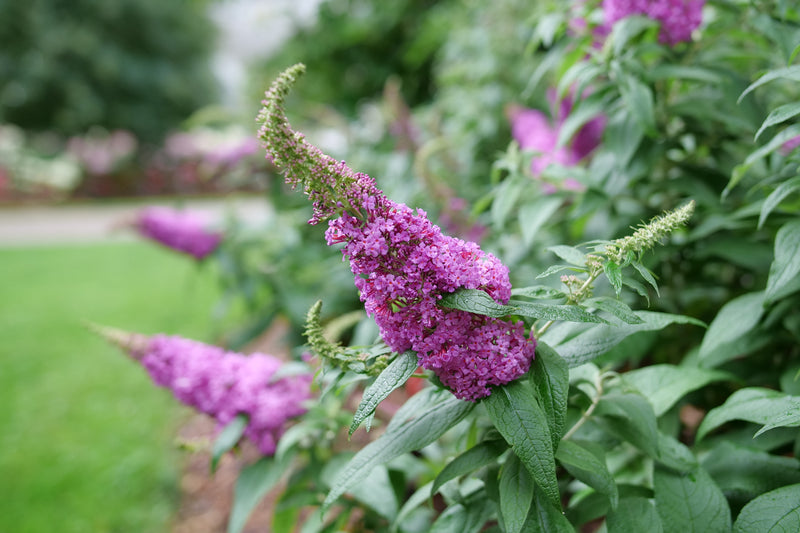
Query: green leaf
point(789, 73)
point(690, 502)
point(786, 265)
point(569, 254)
point(626, 29)
point(746, 472)
point(478, 302)
point(776, 197)
point(778, 115)
point(541, 292)
point(664, 385)
point(463, 518)
point(534, 215)
point(736, 318)
point(614, 274)
point(476, 457)
point(761, 406)
point(618, 308)
point(630, 417)
point(776, 511)
point(581, 343)
point(776, 142)
point(228, 438)
point(647, 275)
point(441, 412)
point(674, 454)
point(587, 467)
point(418, 498)
point(551, 379)
point(585, 110)
point(634, 515)
point(638, 98)
point(546, 517)
point(392, 377)
point(254, 482)
point(515, 412)
point(516, 494)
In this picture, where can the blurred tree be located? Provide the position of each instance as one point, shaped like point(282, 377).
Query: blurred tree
point(356, 45)
point(67, 65)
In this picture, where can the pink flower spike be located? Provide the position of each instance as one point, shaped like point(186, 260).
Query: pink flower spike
point(183, 231)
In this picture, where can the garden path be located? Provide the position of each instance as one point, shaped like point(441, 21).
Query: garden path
point(100, 221)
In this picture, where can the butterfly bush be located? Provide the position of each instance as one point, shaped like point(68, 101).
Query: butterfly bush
point(222, 384)
point(403, 264)
point(183, 231)
point(678, 18)
point(533, 130)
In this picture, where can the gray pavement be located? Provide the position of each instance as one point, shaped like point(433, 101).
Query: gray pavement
point(99, 221)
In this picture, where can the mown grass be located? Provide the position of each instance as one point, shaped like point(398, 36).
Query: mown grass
point(86, 440)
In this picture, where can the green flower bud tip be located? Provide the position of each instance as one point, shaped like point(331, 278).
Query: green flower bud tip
point(650, 234)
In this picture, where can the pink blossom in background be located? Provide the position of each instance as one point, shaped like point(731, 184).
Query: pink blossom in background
point(182, 230)
point(225, 384)
point(678, 18)
point(790, 145)
point(534, 131)
point(99, 155)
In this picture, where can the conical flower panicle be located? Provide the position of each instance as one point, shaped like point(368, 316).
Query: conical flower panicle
point(331, 185)
point(220, 383)
point(403, 265)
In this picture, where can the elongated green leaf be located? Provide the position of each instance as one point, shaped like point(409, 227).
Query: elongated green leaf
point(775, 512)
point(736, 318)
point(690, 502)
point(639, 101)
point(546, 517)
point(541, 292)
point(674, 454)
point(776, 197)
point(442, 413)
point(254, 482)
point(418, 498)
point(516, 494)
point(614, 274)
point(585, 110)
point(778, 115)
point(479, 455)
point(581, 343)
point(228, 438)
point(569, 254)
point(618, 308)
point(516, 414)
point(463, 518)
point(596, 505)
point(534, 215)
point(630, 417)
point(748, 472)
point(646, 274)
point(626, 29)
point(392, 377)
point(776, 142)
point(789, 73)
point(478, 302)
point(568, 313)
point(634, 515)
point(664, 385)
point(551, 379)
point(786, 266)
point(761, 406)
point(589, 468)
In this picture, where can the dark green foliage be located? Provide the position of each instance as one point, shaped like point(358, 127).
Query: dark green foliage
point(140, 65)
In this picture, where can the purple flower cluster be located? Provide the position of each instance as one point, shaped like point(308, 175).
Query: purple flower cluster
point(184, 231)
point(224, 384)
point(678, 18)
point(403, 265)
point(533, 130)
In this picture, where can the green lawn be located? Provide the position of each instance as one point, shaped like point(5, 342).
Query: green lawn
point(86, 441)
